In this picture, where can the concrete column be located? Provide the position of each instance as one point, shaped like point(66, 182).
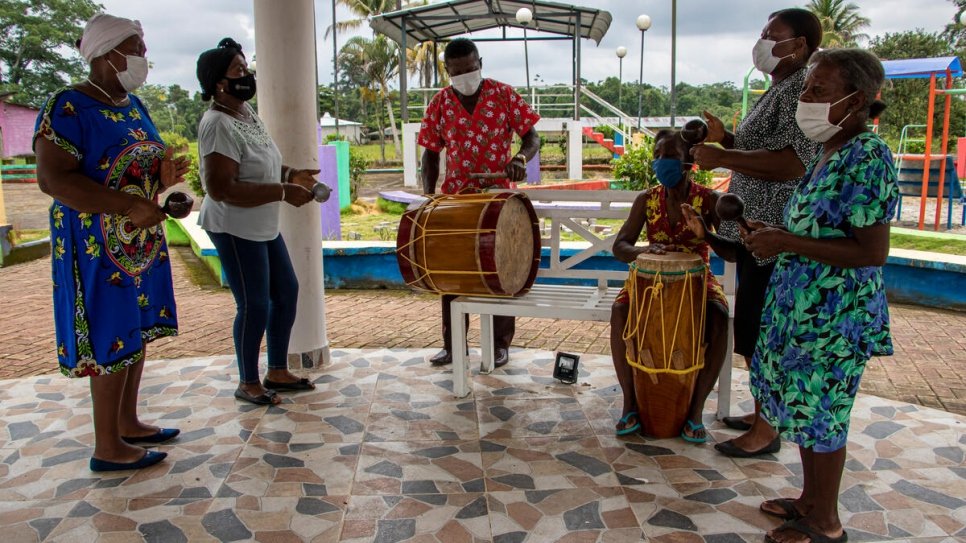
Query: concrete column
point(410, 155)
point(575, 151)
point(288, 103)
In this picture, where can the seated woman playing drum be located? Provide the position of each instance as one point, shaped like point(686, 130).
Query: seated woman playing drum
point(661, 210)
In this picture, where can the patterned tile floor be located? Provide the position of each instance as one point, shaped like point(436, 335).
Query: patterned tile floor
point(383, 452)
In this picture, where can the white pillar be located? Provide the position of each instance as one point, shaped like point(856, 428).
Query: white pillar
point(411, 155)
point(288, 103)
point(575, 151)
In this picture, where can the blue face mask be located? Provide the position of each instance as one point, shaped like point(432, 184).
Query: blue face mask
point(668, 171)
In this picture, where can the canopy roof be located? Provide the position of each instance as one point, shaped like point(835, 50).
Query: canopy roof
point(443, 20)
point(917, 68)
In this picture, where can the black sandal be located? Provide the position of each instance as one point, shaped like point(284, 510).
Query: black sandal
point(265, 398)
point(787, 506)
point(814, 537)
point(301, 384)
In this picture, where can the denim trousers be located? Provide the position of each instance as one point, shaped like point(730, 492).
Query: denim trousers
point(263, 282)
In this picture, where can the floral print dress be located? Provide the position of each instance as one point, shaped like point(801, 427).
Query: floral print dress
point(678, 237)
point(822, 323)
point(112, 280)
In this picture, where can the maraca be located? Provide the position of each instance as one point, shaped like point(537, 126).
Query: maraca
point(731, 207)
point(321, 192)
point(177, 205)
point(695, 131)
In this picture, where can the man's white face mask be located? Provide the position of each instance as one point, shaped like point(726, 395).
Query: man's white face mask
point(467, 84)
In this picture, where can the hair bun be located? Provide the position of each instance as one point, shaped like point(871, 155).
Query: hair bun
point(876, 108)
point(228, 42)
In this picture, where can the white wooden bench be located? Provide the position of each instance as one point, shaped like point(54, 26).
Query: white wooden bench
point(566, 209)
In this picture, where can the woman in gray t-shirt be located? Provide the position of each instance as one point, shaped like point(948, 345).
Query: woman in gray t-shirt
point(767, 155)
point(246, 182)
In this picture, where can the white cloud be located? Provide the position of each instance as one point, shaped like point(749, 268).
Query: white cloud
point(714, 38)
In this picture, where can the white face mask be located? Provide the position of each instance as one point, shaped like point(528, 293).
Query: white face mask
point(762, 56)
point(812, 118)
point(136, 73)
point(466, 84)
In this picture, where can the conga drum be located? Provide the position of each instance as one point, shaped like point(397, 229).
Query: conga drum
point(664, 336)
point(484, 244)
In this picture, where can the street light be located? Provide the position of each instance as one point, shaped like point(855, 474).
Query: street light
point(621, 53)
point(643, 23)
point(524, 16)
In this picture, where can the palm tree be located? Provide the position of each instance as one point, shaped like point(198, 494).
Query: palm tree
point(363, 10)
point(841, 22)
point(372, 65)
point(419, 60)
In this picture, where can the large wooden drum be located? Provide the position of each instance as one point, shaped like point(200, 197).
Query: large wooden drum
point(480, 244)
point(665, 337)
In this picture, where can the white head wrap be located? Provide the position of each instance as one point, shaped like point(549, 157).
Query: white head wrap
point(105, 32)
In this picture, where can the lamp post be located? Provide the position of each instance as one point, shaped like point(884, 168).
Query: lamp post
point(524, 16)
point(621, 53)
point(643, 23)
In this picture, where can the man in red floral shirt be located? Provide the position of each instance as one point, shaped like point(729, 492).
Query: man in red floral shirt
point(474, 119)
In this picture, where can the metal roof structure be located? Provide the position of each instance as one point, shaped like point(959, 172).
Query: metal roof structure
point(443, 20)
point(917, 68)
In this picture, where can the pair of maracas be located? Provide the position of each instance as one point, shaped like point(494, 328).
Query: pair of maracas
point(178, 204)
point(730, 207)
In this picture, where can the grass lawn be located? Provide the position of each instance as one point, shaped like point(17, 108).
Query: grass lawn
point(550, 153)
point(935, 245)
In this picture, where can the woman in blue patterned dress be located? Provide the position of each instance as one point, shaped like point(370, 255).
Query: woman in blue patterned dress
point(825, 312)
point(101, 159)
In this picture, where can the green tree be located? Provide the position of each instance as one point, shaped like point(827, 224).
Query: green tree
point(363, 11)
point(842, 24)
point(372, 64)
point(908, 98)
point(956, 30)
point(36, 38)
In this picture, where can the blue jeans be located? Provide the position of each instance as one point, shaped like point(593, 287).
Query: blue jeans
point(266, 291)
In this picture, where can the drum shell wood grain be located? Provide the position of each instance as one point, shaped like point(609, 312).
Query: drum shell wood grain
point(473, 244)
point(664, 398)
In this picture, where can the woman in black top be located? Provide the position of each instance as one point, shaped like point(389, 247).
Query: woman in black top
point(767, 155)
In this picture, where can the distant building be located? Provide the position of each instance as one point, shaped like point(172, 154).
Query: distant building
point(16, 128)
point(350, 130)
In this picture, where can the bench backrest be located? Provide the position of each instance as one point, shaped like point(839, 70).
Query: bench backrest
point(567, 209)
point(571, 210)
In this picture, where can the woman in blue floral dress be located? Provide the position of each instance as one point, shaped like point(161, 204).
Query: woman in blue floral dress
point(825, 312)
point(101, 159)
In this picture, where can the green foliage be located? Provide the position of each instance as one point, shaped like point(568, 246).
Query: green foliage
point(173, 109)
point(632, 170)
point(34, 35)
point(841, 22)
point(392, 208)
point(176, 142)
point(607, 131)
point(358, 164)
point(720, 99)
point(908, 98)
point(702, 177)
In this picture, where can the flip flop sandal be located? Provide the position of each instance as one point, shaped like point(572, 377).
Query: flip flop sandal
point(786, 505)
point(263, 399)
point(797, 525)
point(629, 429)
point(694, 428)
point(301, 384)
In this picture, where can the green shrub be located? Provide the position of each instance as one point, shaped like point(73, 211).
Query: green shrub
point(703, 177)
point(393, 208)
point(632, 171)
point(607, 131)
point(358, 164)
point(182, 147)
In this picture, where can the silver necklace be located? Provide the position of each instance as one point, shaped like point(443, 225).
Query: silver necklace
point(244, 115)
point(109, 97)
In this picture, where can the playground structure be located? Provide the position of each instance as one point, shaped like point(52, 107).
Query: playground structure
point(932, 69)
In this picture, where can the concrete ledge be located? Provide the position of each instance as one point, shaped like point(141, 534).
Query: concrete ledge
point(25, 252)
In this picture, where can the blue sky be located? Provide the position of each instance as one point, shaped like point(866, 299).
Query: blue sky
point(714, 37)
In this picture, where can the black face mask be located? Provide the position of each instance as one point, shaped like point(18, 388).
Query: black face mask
point(242, 88)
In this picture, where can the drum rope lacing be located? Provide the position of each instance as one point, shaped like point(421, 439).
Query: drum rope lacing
point(637, 310)
point(421, 233)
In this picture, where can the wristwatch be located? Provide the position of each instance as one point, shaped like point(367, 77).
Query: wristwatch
point(522, 157)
